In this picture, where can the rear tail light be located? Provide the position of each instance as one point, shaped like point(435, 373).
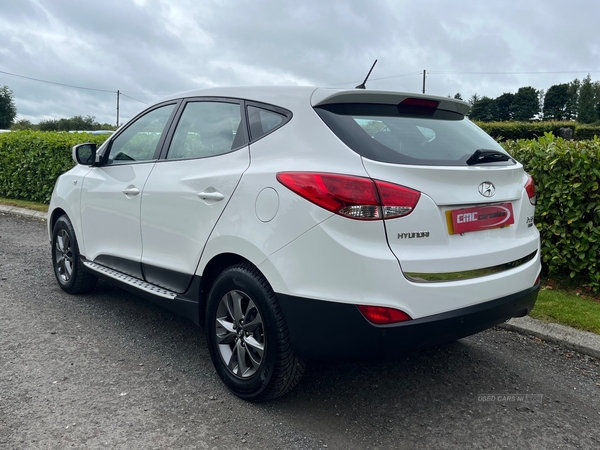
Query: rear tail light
point(349, 196)
point(381, 315)
point(530, 189)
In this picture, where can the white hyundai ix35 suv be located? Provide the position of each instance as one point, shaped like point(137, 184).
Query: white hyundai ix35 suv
point(299, 223)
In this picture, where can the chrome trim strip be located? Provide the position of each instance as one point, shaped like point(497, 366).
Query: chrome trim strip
point(467, 274)
point(132, 281)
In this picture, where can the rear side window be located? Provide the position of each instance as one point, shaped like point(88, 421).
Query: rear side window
point(383, 133)
point(264, 121)
point(207, 128)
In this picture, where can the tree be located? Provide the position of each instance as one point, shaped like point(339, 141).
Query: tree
point(586, 107)
point(571, 108)
point(596, 86)
point(457, 96)
point(526, 104)
point(8, 110)
point(22, 124)
point(75, 123)
point(474, 98)
point(504, 104)
point(484, 109)
point(48, 125)
point(556, 102)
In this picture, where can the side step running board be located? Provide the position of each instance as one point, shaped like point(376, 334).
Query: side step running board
point(131, 281)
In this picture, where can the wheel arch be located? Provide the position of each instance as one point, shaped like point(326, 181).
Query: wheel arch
point(211, 271)
point(274, 369)
point(68, 268)
point(56, 214)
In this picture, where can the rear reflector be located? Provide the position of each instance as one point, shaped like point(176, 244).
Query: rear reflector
point(530, 189)
point(381, 315)
point(350, 196)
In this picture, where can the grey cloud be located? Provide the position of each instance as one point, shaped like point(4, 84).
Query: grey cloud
point(153, 48)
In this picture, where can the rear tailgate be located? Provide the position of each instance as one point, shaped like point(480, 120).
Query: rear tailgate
point(425, 241)
point(469, 216)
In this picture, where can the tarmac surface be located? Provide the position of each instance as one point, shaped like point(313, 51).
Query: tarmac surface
point(581, 341)
point(111, 370)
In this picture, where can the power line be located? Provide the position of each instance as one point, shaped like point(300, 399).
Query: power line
point(72, 86)
point(117, 92)
point(125, 95)
point(380, 78)
point(541, 72)
point(450, 72)
point(458, 72)
point(57, 84)
point(398, 76)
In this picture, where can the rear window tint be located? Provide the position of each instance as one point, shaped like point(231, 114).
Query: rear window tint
point(263, 121)
point(382, 133)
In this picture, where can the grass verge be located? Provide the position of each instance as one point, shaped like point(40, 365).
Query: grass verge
point(568, 308)
point(24, 204)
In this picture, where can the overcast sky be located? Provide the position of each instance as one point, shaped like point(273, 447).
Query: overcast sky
point(151, 48)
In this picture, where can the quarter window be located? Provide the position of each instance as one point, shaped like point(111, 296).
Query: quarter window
point(207, 129)
point(263, 121)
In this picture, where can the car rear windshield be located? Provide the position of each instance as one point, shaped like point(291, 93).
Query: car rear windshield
point(386, 134)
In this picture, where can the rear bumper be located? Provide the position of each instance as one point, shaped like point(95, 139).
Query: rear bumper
point(329, 330)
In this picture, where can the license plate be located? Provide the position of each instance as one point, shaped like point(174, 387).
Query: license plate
point(479, 218)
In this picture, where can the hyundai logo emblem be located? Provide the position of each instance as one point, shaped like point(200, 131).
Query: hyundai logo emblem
point(487, 189)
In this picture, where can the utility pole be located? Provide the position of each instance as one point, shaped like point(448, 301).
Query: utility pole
point(118, 94)
point(424, 75)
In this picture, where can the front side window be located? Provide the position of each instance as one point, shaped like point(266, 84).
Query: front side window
point(206, 129)
point(139, 140)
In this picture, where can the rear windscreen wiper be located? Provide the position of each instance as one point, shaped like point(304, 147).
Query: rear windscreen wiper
point(483, 156)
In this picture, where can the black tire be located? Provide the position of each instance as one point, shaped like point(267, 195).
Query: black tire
point(254, 359)
point(68, 268)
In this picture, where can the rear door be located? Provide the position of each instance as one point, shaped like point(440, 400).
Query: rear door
point(190, 187)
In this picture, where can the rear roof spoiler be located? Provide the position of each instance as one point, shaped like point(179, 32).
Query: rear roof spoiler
point(323, 96)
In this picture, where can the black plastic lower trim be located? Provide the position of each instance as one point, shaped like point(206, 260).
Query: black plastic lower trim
point(186, 305)
point(329, 330)
point(169, 279)
point(127, 266)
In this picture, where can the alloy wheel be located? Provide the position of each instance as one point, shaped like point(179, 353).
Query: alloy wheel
point(64, 256)
point(240, 334)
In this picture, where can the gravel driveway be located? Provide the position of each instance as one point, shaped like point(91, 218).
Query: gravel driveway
point(110, 370)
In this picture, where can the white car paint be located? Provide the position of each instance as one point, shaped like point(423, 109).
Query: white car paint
point(302, 249)
point(176, 218)
point(110, 210)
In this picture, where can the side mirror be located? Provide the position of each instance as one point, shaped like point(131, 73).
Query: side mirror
point(85, 154)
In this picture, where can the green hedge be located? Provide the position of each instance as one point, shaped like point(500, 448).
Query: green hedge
point(30, 161)
point(504, 131)
point(586, 132)
point(567, 177)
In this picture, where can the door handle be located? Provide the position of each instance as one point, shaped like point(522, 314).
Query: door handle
point(214, 196)
point(131, 191)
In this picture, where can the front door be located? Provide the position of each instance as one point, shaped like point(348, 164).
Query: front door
point(111, 193)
